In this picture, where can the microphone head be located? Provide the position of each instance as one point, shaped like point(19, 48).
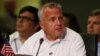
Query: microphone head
point(41, 40)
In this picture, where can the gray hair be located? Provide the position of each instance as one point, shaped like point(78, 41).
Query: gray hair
point(50, 5)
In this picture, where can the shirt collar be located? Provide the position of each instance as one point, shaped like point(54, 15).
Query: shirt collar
point(56, 41)
point(14, 36)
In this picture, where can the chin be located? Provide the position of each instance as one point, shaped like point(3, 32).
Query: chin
point(59, 34)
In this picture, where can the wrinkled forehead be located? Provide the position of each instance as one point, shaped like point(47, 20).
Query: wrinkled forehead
point(52, 12)
point(95, 17)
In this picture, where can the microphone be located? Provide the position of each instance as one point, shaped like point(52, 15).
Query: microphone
point(41, 41)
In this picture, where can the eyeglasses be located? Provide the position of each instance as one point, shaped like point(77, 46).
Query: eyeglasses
point(25, 18)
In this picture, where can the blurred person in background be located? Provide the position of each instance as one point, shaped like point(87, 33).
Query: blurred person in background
point(27, 24)
point(93, 25)
point(8, 20)
point(70, 21)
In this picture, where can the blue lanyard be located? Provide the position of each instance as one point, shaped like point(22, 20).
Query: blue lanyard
point(16, 45)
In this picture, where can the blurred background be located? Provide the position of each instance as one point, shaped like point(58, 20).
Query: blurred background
point(20, 4)
point(81, 8)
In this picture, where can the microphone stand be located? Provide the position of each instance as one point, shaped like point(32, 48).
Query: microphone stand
point(41, 41)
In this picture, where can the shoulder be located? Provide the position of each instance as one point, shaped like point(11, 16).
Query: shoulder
point(72, 35)
point(30, 42)
point(14, 33)
point(77, 45)
point(35, 37)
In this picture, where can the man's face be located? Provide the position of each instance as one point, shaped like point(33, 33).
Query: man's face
point(25, 23)
point(52, 22)
point(93, 24)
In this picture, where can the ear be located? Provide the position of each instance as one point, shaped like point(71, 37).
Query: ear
point(41, 24)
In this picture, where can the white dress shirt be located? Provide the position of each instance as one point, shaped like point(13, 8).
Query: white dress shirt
point(98, 49)
point(15, 42)
point(71, 45)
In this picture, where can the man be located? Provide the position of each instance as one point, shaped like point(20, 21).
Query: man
point(8, 20)
point(54, 39)
point(27, 24)
point(93, 26)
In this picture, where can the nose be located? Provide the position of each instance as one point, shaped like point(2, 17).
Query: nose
point(20, 20)
point(91, 25)
point(58, 22)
